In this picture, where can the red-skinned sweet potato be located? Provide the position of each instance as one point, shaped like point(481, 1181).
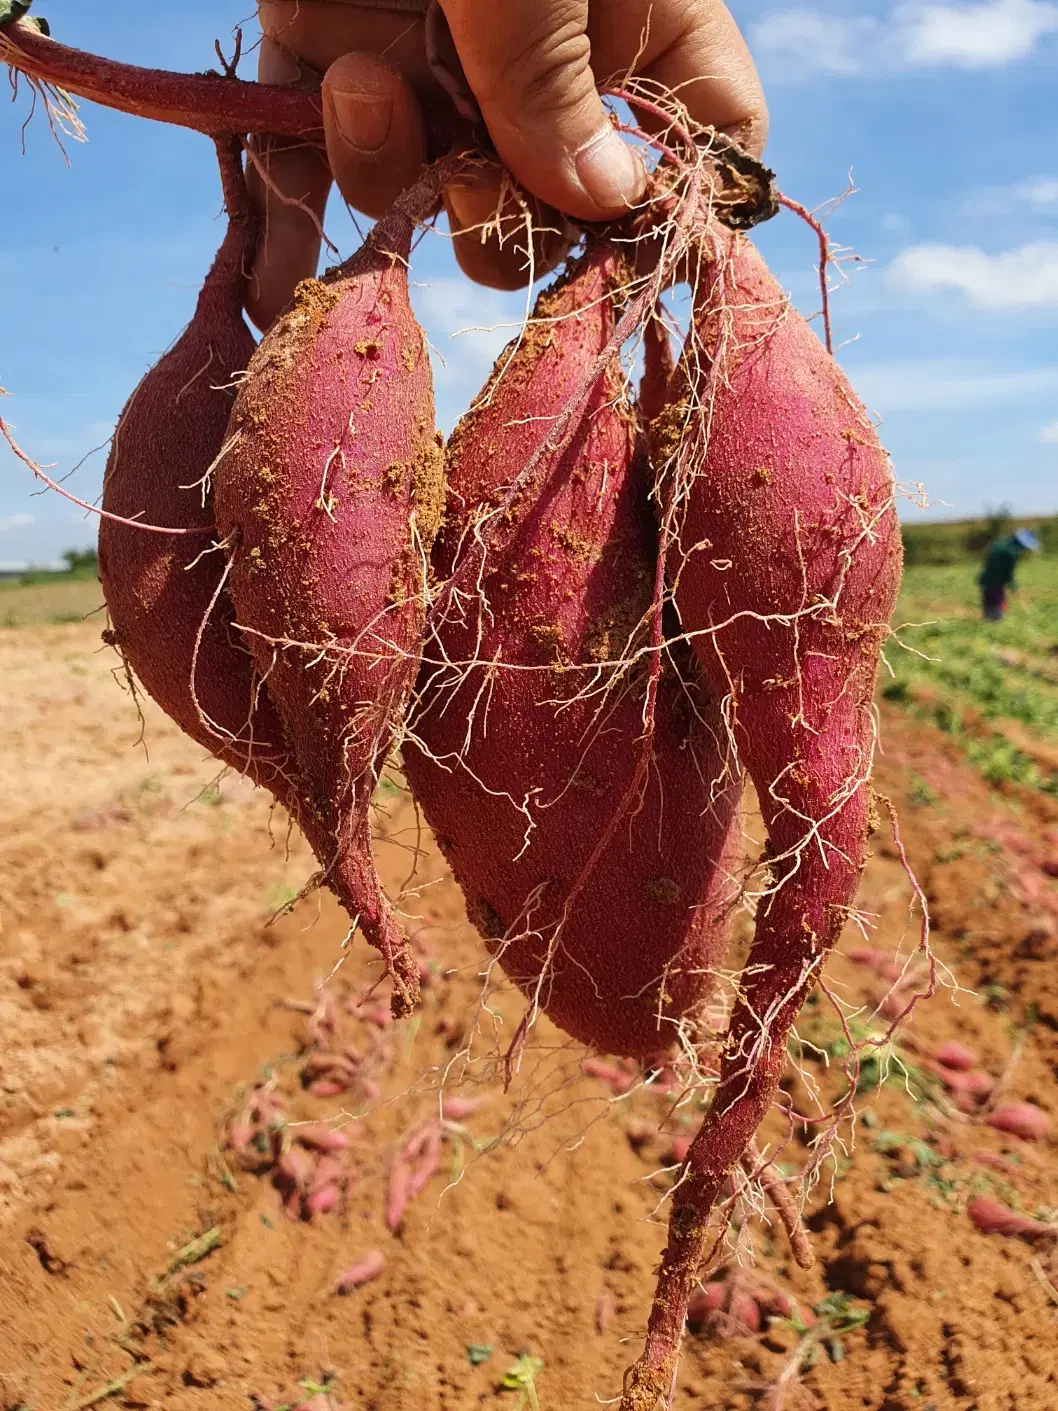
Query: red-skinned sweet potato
point(329, 499)
point(169, 614)
point(786, 576)
point(604, 890)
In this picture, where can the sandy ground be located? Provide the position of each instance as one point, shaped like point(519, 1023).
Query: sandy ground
point(146, 1260)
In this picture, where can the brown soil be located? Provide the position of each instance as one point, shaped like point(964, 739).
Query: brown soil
point(142, 990)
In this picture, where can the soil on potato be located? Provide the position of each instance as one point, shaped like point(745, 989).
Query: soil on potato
point(145, 990)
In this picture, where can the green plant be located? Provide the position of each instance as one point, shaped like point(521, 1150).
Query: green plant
point(521, 1377)
point(277, 895)
point(919, 794)
point(991, 687)
point(838, 1315)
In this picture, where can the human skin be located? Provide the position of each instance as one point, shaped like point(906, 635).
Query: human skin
point(534, 68)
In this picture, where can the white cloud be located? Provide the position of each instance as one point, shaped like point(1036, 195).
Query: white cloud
point(984, 35)
point(945, 385)
point(1049, 433)
point(1023, 278)
point(987, 34)
point(468, 327)
point(465, 320)
point(895, 224)
point(1037, 195)
point(14, 521)
point(808, 41)
point(1042, 194)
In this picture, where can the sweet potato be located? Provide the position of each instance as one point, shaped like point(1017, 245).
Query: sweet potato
point(968, 1084)
point(366, 1268)
point(603, 888)
point(991, 1218)
point(457, 1109)
point(170, 617)
point(411, 1171)
point(1021, 1119)
point(954, 1054)
point(329, 499)
point(786, 576)
point(322, 1199)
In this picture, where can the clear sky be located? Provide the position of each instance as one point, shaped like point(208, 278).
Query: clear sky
point(945, 114)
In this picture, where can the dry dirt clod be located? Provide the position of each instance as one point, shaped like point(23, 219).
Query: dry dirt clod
point(204, 1367)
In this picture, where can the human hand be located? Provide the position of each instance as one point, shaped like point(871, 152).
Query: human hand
point(534, 67)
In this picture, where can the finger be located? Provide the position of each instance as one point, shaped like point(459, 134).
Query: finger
point(322, 35)
point(374, 129)
point(528, 64)
point(492, 234)
point(289, 184)
point(291, 194)
point(696, 49)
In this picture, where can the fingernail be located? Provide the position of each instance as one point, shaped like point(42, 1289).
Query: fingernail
point(363, 119)
point(609, 171)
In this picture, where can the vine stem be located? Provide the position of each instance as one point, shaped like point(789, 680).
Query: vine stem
point(824, 260)
point(208, 103)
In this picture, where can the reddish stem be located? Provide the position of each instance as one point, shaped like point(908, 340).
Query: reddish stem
point(654, 110)
point(824, 260)
point(206, 103)
point(415, 205)
point(215, 104)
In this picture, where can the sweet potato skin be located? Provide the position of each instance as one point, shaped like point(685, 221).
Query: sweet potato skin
point(524, 767)
point(792, 567)
point(329, 500)
point(787, 579)
point(170, 615)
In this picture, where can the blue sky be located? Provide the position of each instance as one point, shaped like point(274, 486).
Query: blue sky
point(945, 114)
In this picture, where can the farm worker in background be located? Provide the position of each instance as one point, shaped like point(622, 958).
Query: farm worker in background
point(533, 67)
point(997, 575)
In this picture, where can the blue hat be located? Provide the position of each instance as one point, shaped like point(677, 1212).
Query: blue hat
point(1026, 539)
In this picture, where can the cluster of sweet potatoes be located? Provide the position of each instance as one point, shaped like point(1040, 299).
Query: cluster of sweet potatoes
point(584, 623)
point(577, 709)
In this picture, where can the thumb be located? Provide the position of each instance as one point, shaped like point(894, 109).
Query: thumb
point(528, 63)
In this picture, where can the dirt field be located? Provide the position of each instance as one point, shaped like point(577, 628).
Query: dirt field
point(144, 992)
